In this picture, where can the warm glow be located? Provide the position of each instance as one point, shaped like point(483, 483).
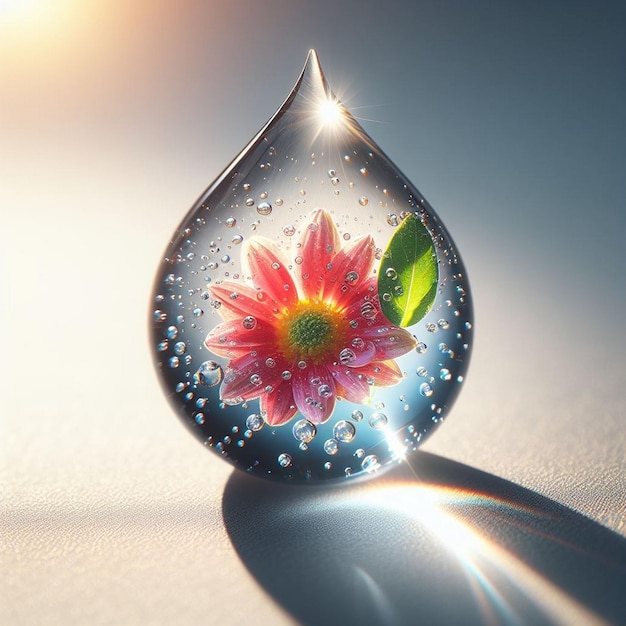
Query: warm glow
point(330, 111)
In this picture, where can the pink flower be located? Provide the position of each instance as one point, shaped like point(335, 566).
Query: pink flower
point(299, 339)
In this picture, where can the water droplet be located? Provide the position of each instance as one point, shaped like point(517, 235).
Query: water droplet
point(264, 208)
point(370, 463)
point(254, 422)
point(357, 415)
point(248, 322)
point(344, 431)
point(284, 459)
point(378, 421)
point(426, 390)
point(347, 356)
point(299, 234)
point(331, 446)
point(209, 374)
point(304, 431)
point(368, 310)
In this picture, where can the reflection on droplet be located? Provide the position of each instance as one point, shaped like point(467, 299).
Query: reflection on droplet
point(344, 431)
point(209, 374)
point(304, 431)
point(254, 422)
point(238, 274)
point(284, 459)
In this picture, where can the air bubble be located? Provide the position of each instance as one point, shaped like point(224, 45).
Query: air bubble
point(209, 374)
point(304, 431)
point(344, 431)
point(254, 422)
point(284, 459)
point(378, 421)
point(331, 446)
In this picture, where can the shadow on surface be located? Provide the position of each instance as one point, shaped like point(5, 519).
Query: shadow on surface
point(454, 546)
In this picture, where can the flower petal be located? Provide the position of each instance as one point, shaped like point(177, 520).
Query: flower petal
point(320, 243)
point(278, 407)
point(352, 385)
point(364, 309)
point(358, 353)
point(314, 393)
point(269, 271)
point(382, 373)
point(233, 339)
point(351, 267)
point(238, 300)
point(390, 341)
point(248, 377)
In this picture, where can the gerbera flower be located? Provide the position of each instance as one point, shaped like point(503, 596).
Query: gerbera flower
point(300, 338)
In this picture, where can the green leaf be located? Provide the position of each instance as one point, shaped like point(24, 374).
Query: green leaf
point(407, 278)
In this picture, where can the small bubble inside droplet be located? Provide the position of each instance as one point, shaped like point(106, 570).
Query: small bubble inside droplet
point(426, 390)
point(363, 201)
point(304, 431)
point(378, 421)
point(356, 415)
point(254, 422)
point(344, 431)
point(230, 222)
point(289, 230)
point(347, 356)
point(209, 374)
point(370, 463)
point(264, 208)
point(392, 219)
point(249, 202)
point(284, 460)
point(331, 446)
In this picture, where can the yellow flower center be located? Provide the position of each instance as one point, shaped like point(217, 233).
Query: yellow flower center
point(312, 331)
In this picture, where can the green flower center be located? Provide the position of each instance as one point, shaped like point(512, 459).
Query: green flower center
point(310, 331)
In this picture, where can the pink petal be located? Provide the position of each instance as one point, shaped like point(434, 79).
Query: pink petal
point(382, 373)
point(237, 300)
point(390, 341)
point(278, 407)
point(320, 243)
point(248, 377)
point(351, 267)
point(352, 385)
point(314, 393)
point(357, 353)
point(232, 338)
point(363, 310)
point(269, 271)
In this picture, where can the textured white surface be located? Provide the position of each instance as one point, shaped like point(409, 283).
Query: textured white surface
point(113, 514)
